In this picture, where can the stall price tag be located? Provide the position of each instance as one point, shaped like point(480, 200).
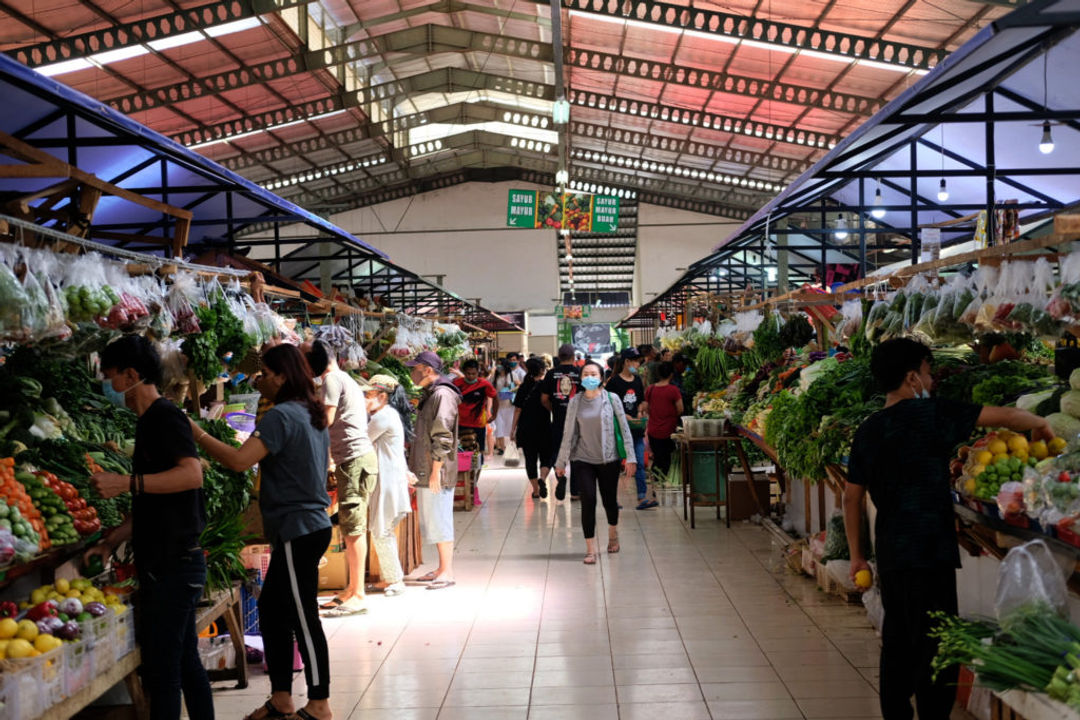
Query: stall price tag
point(521, 209)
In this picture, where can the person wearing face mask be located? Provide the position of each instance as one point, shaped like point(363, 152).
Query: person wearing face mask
point(532, 428)
point(291, 445)
point(479, 406)
point(389, 424)
point(167, 517)
point(665, 407)
point(626, 384)
point(596, 438)
point(433, 462)
point(901, 455)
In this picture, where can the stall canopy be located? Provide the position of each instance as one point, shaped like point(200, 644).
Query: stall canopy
point(981, 150)
point(55, 138)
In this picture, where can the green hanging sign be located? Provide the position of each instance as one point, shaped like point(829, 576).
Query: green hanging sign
point(521, 209)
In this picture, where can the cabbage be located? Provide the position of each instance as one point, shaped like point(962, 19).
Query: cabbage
point(1064, 426)
point(1031, 401)
point(1070, 403)
point(1074, 379)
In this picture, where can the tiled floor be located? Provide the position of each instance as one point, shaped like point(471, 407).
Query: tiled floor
point(679, 625)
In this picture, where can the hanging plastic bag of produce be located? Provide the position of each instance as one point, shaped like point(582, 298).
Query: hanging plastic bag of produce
point(1065, 304)
point(179, 303)
point(916, 291)
point(1030, 574)
point(86, 289)
point(46, 266)
point(983, 281)
point(1030, 314)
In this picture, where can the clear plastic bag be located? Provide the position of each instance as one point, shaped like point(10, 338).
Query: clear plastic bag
point(86, 289)
point(875, 610)
point(180, 305)
point(851, 318)
point(1030, 574)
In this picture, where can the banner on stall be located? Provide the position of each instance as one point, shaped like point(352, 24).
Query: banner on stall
point(574, 211)
point(572, 312)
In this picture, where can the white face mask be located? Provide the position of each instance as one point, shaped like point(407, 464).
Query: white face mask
point(922, 393)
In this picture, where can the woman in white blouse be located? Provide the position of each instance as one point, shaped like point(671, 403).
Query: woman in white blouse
point(389, 422)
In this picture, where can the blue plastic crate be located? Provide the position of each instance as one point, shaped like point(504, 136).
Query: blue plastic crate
point(250, 606)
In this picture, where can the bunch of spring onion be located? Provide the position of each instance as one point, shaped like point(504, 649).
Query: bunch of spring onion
point(1033, 649)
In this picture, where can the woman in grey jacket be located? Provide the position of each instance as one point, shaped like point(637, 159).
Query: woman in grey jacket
point(591, 442)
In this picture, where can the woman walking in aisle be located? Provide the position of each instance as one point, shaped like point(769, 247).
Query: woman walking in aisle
point(595, 439)
point(291, 444)
point(665, 407)
point(504, 418)
point(626, 384)
point(388, 428)
point(532, 427)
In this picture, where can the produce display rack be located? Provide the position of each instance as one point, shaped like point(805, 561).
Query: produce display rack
point(47, 561)
point(124, 670)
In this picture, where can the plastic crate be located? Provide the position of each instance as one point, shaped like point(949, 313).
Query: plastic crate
point(9, 696)
point(464, 461)
point(37, 683)
point(78, 666)
point(249, 604)
point(124, 634)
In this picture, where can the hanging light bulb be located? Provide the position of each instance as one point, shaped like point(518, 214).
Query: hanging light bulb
point(943, 191)
point(841, 227)
point(878, 212)
point(1046, 145)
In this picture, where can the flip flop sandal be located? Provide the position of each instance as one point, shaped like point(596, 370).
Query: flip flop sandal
point(536, 496)
point(613, 546)
point(345, 610)
point(590, 559)
point(441, 584)
point(430, 577)
point(394, 590)
point(331, 604)
point(272, 713)
point(305, 715)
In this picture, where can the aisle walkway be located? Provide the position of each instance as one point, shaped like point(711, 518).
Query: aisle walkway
point(679, 625)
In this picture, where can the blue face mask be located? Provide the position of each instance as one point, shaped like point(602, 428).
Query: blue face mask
point(113, 395)
point(472, 381)
point(590, 383)
point(633, 369)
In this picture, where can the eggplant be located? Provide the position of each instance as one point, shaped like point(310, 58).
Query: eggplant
point(95, 608)
point(49, 625)
point(68, 631)
point(71, 606)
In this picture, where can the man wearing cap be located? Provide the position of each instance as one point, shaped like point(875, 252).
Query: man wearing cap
point(559, 385)
point(433, 462)
point(355, 467)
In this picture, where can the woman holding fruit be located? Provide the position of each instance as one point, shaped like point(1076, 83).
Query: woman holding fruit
point(901, 455)
point(167, 518)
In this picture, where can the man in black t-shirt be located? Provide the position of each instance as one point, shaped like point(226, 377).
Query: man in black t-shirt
point(901, 455)
point(560, 384)
point(167, 517)
point(626, 383)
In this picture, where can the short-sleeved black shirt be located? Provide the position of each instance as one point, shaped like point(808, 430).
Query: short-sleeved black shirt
point(561, 384)
point(164, 525)
point(901, 454)
point(534, 416)
point(632, 394)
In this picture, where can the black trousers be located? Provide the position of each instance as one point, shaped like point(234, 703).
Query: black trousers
point(536, 447)
point(168, 597)
point(556, 443)
point(289, 608)
point(662, 449)
point(590, 476)
point(906, 648)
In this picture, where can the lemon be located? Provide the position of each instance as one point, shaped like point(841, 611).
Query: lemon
point(1056, 446)
point(1001, 457)
point(19, 648)
point(863, 579)
point(1021, 455)
point(39, 596)
point(8, 628)
point(27, 630)
point(62, 585)
point(977, 470)
point(73, 594)
point(45, 643)
point(984, 457)
point(1018, 443)
point(969, 486)
point(997, 447)
point(1038, 450)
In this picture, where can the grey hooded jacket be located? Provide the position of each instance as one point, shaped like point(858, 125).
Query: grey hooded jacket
point(436, 433)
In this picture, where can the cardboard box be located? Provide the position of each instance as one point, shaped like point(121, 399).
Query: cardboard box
point(333, 570)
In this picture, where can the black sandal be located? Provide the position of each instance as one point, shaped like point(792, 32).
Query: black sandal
point(305, 715)
point(272, 713)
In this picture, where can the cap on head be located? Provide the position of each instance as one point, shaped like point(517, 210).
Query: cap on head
point(386, 383)
point(631, 354)
point(428, 359)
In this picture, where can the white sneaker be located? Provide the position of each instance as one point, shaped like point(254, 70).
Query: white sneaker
point(395, 589)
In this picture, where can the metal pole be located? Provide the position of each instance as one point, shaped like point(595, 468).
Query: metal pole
point(862, 226)
point(914, 162)
point(991, 201)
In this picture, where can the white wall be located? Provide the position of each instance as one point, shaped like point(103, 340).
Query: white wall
point(669, 238)
point(461, 232)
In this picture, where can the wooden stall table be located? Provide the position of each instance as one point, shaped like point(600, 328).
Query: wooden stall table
point(720, 446)
point(226, 604)
point(122, 671)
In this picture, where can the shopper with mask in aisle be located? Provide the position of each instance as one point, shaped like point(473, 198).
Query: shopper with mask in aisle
point(291, 445)
point(167, 517)
point(532, 428)
point(355, 468)
point(389, 419)
point(559, 386)
point(505, 386)
point(433, 462)
point(626, 384)
point(595, 441)
point(665, 408)
point(479, 406)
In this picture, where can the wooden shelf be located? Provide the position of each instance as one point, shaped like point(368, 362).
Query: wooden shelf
point(117, 672)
